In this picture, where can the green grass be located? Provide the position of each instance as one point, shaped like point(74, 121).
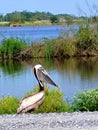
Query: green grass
point(37, 23)
point(2, 24)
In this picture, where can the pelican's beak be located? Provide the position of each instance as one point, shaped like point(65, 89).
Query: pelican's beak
point(44, 76)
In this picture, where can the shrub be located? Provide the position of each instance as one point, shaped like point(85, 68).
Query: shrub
point(86, 101)
point(8, 105)
point(11, 47)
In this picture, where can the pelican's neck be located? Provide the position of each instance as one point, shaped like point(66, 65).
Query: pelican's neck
point(40, 83)
point(41, 87)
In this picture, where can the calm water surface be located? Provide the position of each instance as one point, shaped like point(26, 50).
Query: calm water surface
point(72, 75)
point(30, 33)
point(34, 33)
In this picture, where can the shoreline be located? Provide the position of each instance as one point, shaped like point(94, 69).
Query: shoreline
point(50, 121)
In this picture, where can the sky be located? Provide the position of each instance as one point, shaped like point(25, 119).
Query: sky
point(73, 7)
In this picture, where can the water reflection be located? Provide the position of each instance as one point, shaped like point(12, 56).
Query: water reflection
point(11, 67)
point(73, 75)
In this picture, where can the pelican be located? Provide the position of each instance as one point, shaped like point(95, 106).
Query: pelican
point(33, 101)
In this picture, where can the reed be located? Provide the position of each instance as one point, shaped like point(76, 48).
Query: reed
point(11, 47)
point(55, 48)
point(83, 42)
point(87, 37)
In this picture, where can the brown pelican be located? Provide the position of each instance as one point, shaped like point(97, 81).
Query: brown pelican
point(33, 101)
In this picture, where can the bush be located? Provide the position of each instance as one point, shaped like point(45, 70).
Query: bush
point(8, 105)
point(86, 101)
point(11, 47)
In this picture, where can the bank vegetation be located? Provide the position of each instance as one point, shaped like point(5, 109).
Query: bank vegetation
point(54, 102)
point(79, 43)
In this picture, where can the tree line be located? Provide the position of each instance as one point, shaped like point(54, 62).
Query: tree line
point(23, 16)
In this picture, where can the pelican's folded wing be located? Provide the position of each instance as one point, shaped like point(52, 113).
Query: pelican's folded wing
point(31, 102)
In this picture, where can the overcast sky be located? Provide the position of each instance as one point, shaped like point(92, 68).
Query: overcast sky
point(73, 7)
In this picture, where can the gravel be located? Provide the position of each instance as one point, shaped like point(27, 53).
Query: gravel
point(51, 121)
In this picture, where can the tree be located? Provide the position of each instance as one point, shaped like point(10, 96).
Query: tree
point(69, 20)
point(54, 19)
point(16, 17)
point(1, 17)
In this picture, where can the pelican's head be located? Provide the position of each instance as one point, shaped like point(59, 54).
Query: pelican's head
point(42, 76)
point(37, 66)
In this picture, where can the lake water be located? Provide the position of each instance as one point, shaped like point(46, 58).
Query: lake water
point(30, 33)
point(34, 33)
point(72, 75)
